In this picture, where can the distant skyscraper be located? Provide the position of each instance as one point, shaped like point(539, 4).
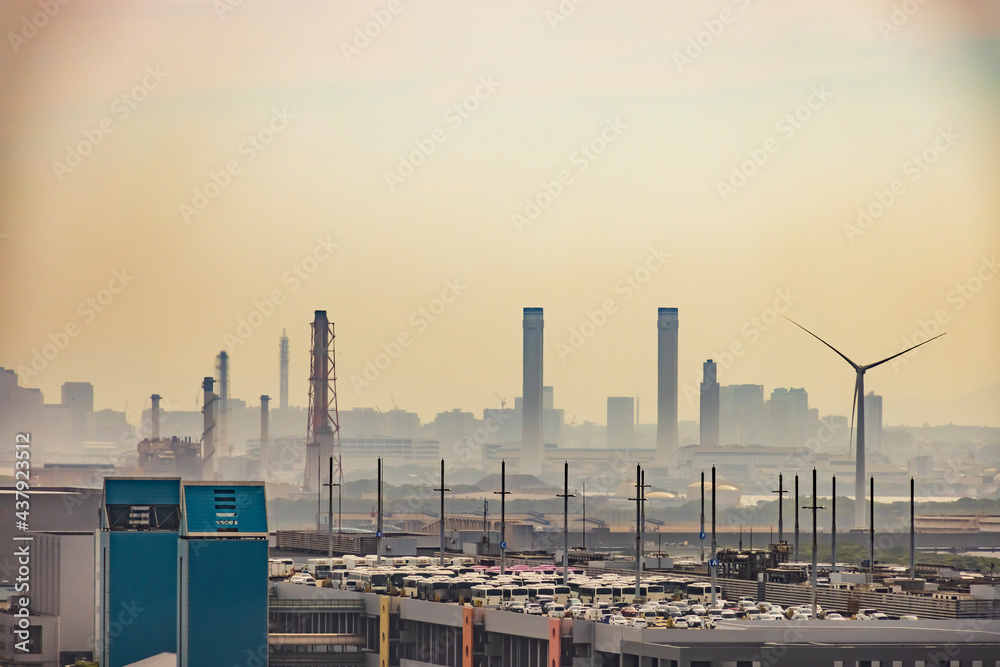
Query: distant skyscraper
point(873, 422)
point(531, 425)
point(666, 383)
point(709, 404)
point(742, 415)
point(283, 361)
point(621, 422)
point(78, 398)
point(788, 417)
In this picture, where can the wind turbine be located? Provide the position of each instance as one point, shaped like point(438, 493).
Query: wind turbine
point(859, 404)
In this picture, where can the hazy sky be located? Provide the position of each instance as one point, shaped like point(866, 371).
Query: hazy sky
point(627, 124)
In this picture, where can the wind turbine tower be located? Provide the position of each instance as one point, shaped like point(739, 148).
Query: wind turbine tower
point(860, 517)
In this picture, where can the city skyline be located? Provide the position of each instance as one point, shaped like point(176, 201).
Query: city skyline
point(842, 175)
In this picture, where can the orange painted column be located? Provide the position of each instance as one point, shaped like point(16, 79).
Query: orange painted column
point(383, 631)
point(467, 616)
point(555, 639)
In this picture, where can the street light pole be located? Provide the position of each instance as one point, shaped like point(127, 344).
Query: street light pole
point(566, 495)
point(442, 490)
point(813, 579)
point(503, 493)
point(329, 515)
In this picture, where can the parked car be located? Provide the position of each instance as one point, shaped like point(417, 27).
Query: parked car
point(618, 620)
point(639, 622)
point(680, 623)
point(556, 610)
point(834, 616)
point(533, 608)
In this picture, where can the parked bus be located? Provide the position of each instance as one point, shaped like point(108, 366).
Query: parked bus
point(653, 592)
point(338, 578)
point(460, 590)
point(562, 594)
point(485, 596)
point(423, 561)
point(410, 582)
point(594, 593)
point(701, 591)
point(433, 589)
point(374, 581)
point(319, 568)
point(515, 594)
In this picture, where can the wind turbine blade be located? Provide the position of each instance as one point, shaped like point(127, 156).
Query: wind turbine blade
point(879, 363)
point(825, 343)
point(850, 433)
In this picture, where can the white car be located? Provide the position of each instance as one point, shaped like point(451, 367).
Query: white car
point(834, 616)
point(680, 623)
point(533, 608)
point(557, 611)
point(698, 610)
point(692, 621)
point(639, 622)
point(618, 620)
point(908, 617)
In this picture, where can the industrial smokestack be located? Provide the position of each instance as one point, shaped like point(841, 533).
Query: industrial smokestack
point(322, 436)
point(223, 409)
point(208, 435)
point(531, 411)
point(265, 435)
point(666, 383)
point(154, 417)
point(283, 360)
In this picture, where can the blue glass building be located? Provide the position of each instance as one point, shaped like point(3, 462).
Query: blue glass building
point(182, 569)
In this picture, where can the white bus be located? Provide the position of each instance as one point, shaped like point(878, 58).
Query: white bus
point(485, 596)
point(515, 594)
point(594, 593)
point(701, 591)
point(562, 594)
point(653, 592)
point(319, 568)
point(373, 581)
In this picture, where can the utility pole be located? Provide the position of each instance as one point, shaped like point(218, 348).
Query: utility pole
point(833, 527)
point(796, 518)
point(566, 495)
point(503, 493)
point(913, 536)
point(701, 532)
point(639, 500)
point(378, 533)
point(814, 574)
point(584, 538)
point(871, 529)
point(329, 515)
point(781, 504)
point(713, 563)
point(442, 490)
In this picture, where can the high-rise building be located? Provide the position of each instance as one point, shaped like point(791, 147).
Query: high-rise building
point(161, 548)
point(873, 423)
point(78, 399)
point(709, 422)
point(742, 415)
point(137, 569)
point(533, 401)
point(788, 417)
point(666, 383)
point(223, 529)
point(621, 422)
